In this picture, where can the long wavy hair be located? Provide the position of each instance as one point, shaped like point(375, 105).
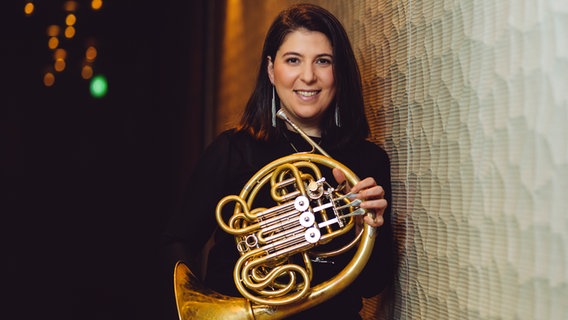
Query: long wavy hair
point(257, 117)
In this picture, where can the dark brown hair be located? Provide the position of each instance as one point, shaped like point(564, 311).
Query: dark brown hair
point(257, 117)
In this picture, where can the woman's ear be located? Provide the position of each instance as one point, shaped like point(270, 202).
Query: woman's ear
point(270, 69)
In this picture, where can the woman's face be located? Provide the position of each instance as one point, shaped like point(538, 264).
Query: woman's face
point(302, 74)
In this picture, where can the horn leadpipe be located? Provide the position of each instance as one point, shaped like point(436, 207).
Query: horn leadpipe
point(280, 114)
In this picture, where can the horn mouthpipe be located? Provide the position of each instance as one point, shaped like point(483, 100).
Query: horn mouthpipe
point(280, 114)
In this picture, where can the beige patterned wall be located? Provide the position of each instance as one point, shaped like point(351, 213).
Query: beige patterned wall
point(470, 99)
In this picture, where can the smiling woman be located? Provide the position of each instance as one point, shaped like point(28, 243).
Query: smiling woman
point(302, 74)
point(292, 237)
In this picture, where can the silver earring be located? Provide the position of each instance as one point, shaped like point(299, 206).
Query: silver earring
point(273, 108)
point(337, 119)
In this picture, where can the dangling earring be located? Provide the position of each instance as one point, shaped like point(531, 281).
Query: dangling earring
point(337, 119)
point(273, 108)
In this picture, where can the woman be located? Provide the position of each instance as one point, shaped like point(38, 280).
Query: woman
point(308, 70)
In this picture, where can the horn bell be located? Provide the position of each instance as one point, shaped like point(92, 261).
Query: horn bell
point(195, 301)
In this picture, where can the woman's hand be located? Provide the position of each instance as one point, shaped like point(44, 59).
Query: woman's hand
point(372, 195)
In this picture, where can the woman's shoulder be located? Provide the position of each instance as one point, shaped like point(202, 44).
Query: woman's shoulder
point(224, 136)
point(371, 160)
point(370, 149)
point(363, 156)
point(229, 137)
point(235, 145)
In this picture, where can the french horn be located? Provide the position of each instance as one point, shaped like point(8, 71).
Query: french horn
point(278, 245)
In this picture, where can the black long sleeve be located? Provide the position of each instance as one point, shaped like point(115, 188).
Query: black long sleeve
point(226, 166)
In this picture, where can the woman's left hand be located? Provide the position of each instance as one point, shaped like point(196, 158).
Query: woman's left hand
point(372, 196)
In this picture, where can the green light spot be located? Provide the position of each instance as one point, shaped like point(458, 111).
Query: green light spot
point(99, 86)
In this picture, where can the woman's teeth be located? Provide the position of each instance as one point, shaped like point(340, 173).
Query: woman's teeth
point(306, 93)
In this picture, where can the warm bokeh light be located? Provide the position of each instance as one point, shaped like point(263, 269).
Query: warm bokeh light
point(69, 32)
point(60, 54)
point(56, 41)
point(70, 6)
point(29, 8)
point(53, 30)
point(91, 53)
point(53, 42)
point(96, 4)
point(70, 20)
point(59, 65)
point(48, 79)
point(87, 72)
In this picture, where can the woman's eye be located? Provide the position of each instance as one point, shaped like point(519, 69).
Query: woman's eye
point(292, 60)
point(324, 61)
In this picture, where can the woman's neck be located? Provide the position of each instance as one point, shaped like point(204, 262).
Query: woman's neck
point(312, 131)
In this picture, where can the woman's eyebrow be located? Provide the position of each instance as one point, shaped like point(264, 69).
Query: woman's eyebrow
point(293, 53)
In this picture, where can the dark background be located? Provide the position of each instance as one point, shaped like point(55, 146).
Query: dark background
point(88, 184)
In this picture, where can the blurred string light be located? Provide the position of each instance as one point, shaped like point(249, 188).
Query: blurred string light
point(29, 8)
point(99, 86)
point(60, 32)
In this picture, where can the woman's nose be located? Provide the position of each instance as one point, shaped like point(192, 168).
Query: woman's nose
point(308, 73)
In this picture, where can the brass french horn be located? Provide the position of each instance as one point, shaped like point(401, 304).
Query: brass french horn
point(277, 245)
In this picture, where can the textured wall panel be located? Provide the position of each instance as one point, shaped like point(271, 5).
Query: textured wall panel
point(474, 101)
point(470, 98)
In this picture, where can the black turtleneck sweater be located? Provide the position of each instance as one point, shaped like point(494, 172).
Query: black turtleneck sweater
point(226, 166)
